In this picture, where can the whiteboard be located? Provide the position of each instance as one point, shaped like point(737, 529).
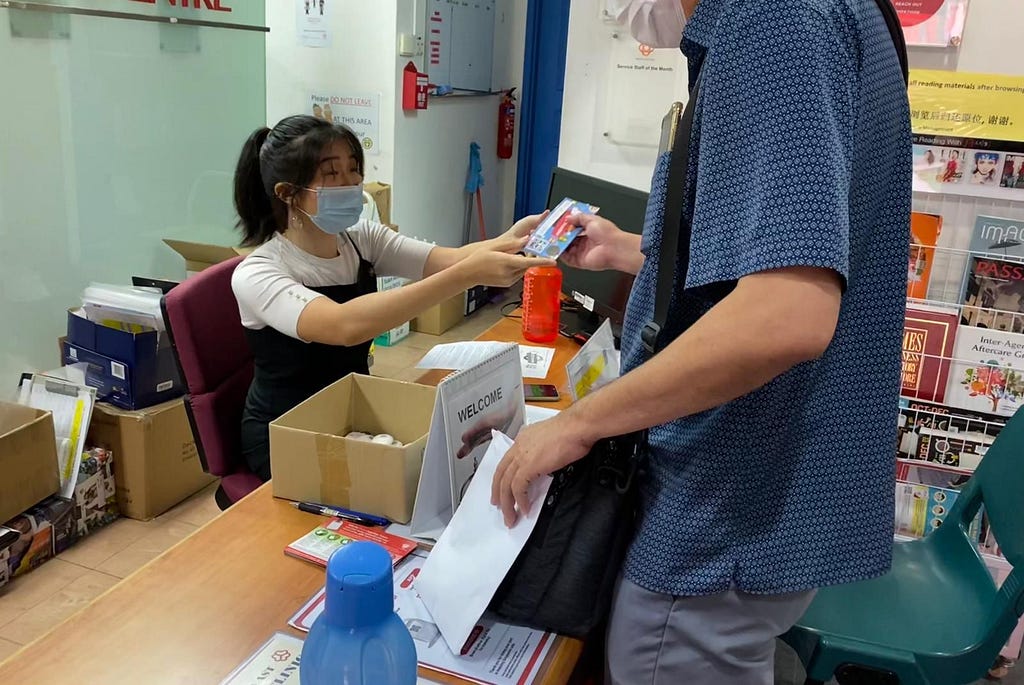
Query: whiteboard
point(460, 43)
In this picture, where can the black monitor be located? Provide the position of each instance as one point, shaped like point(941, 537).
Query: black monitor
point(601, 294)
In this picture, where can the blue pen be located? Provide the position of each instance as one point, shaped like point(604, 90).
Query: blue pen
point(348, 514)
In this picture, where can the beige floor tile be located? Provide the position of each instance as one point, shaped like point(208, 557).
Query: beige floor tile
point(197, 510)
point(162, 536)
point(27, 591)
point(95, 549)
point(7, 648)
point(66, 601)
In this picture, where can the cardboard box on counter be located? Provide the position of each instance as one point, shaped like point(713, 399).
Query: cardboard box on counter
point(156, 464)
point(441, 317)
point(28, 458)
point(312, 460)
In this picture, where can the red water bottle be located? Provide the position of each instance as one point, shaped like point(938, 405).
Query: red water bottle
point(542, 294)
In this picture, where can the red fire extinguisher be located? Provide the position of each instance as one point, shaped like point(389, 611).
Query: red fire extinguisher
point(506, 124)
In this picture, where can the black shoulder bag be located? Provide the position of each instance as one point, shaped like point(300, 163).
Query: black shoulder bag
point(562, 580)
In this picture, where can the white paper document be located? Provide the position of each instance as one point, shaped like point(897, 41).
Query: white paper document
point(71, 402)
point(535, 361)
point(495, 654)
point(475, 552)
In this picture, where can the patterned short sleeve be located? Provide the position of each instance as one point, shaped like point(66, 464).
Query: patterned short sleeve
point(775, 145)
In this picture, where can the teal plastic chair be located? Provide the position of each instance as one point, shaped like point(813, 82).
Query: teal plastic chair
point(937, 617)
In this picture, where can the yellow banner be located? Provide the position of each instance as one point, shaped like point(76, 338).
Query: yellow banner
point(948, 103)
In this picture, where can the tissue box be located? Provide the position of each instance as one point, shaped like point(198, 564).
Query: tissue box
point(95, 499)
point(30, 539)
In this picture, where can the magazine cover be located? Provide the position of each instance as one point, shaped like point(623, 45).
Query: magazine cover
point(993, 294)
point(928, 335)
point(917, 416)
point(933, 23)
point(998, 237)
point(985, 375)
point(921, 509)
point(555, 233)
point(924, 236)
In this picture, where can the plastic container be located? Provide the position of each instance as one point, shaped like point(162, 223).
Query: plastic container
point(359, 639)
point(542, 300)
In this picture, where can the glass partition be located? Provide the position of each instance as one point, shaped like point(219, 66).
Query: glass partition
point(118, 129)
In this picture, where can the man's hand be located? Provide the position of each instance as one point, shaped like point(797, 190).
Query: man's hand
point(539, 450)
point(603, 245)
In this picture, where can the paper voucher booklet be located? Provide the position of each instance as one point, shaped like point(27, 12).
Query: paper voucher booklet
point(470, 404)
point(320, 543)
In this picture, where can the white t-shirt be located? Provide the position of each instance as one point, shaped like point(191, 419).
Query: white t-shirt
point(272, 285)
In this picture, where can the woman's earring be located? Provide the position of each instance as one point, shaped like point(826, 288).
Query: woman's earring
point(296, 221)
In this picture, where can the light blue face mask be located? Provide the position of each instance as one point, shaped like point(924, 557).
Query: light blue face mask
point(337, 208)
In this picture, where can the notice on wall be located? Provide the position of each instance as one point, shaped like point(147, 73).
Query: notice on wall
point(360, 112)
point(935, 23)
point(312, 22)
point(653, 79)
point(968, 133)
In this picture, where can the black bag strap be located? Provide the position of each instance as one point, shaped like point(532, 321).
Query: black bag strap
point(676, 224)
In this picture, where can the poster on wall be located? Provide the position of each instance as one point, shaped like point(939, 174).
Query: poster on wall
point(932, 23)
point(968, 133)
point(360, 112)
point(653, 78)
point(313, 22)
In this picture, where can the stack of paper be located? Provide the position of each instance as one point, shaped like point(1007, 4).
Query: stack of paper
point(125, 307)
point(70, 401)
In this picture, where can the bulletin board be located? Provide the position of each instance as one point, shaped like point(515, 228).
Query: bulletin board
point(460, 43)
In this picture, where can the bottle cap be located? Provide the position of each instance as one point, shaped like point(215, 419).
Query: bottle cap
point(360, 585)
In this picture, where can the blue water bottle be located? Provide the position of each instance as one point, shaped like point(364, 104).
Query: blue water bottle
point(359, 639)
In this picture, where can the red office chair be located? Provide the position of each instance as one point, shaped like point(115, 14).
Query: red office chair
point(205, 330)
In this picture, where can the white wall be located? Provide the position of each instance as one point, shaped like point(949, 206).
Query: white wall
point(361, 59)
point(586, 104)
point(424, 155)
point(429, 197)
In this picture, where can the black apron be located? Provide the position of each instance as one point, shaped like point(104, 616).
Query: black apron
point(288, 371)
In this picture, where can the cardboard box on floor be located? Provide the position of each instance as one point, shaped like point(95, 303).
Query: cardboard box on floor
point(311, 460)
point(199, 256)
point(441, 317)
point(28, 458)
point(156, 464)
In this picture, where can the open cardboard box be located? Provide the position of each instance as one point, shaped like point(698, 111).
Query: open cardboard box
point(199, 256)
point(311, 460)
point(28, 458)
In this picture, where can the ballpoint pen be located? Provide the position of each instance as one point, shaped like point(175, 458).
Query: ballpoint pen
point(354, 516)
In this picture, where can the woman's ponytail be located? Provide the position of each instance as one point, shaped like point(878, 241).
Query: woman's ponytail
point(254, 206)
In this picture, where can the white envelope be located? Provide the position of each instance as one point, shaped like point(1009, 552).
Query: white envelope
point(475, 552)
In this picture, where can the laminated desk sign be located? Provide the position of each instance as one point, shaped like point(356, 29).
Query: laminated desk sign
point(556, 233)
point(277, 661)
point(470, 404)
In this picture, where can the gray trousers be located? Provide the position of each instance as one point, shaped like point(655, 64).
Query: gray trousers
point(656, 639)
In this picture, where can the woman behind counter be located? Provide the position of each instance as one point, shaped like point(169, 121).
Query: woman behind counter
point(308, 293)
